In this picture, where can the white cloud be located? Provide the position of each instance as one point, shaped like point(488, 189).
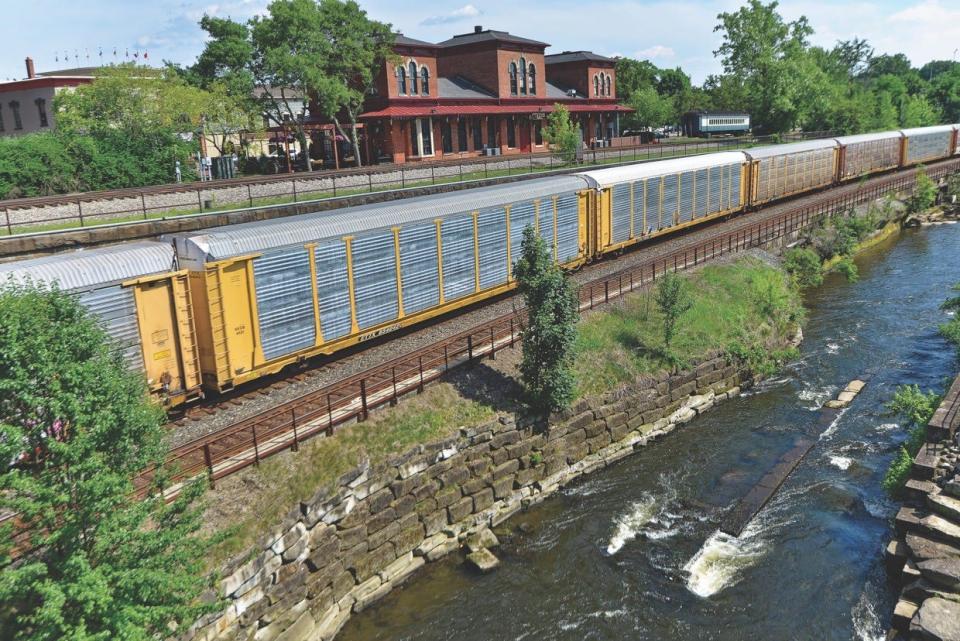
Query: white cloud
point(656, 51)
point(463, 13)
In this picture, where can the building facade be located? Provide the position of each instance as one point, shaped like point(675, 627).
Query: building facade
point(483, 93)
point(26, 106)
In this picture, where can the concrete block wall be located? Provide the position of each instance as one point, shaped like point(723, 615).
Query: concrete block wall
point(343, 549)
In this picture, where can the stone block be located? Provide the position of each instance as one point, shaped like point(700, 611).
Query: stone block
point(380, 520)
point(577, 452)
point(413, 467)
point(251, 574)
point(473, 486)
point(408, 538)
point(504, 438)
point(401, 569)
point(682, 391)
point(369, 591)
point(448, 496)
point(459, 510)
point(383, 535)
point(302, 629)
point(937, 620)
point(525, 477)
point(406, 486)
point(404, 505)
point(342, 584)
point(499, 456)
point(434, 522)
point(482, 500)
point(455, 476)
point(323, 552)
point(595, 428)
point(352, 536)
point(503, 488)
point(380, 500)
point(368, 565)
point(339, 511)
point(479, 467)
point(450, 544)
point(506, 469)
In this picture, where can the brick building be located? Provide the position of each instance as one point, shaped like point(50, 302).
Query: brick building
point(26, 105)
point(484, 92)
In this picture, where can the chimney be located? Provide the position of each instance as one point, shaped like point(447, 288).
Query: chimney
point(31, 73)
point(478, 29)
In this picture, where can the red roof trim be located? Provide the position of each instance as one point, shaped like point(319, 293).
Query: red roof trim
point(415, 111)
point(41, 82)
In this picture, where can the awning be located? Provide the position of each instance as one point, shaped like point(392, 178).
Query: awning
point(419, 111)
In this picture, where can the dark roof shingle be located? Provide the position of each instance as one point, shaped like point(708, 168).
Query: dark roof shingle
point(489, 35)
point(575, 56)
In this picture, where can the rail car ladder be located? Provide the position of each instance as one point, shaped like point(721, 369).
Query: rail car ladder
point(218, 329)
point(189, 350)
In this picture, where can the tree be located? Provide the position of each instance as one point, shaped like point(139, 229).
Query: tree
point(945, 93)
point(761, 49)
point(76, 426)
point(924, 194)
point(359, 47)
point(674, 301)
point(550, 331)
point(633, 75)
point(650, 109)
point(803, 266)
point(561, 133)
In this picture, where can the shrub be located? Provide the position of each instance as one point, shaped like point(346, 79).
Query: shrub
point(804, 267)
point(924, 194)
point(917, 408)
point(674, 301)
point(898, 473)
point(849, 269)
point(562, 133)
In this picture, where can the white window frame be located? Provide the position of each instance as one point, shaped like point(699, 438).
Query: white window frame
point(417, 122)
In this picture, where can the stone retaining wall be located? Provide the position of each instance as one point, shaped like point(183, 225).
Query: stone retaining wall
point(344, 549)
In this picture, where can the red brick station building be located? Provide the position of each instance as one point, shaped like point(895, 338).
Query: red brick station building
point(482, 93)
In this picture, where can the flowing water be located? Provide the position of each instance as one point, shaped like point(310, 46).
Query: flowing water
point(633, 552)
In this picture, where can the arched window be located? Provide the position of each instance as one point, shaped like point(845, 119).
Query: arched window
point(609, 92)
point(413, 77)
point(401, 81)
point(513, 79)
point(533, 79)
point(523, 76)
point(596, 85)
point(425, 81)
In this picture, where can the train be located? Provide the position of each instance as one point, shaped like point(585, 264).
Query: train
point(204, 312)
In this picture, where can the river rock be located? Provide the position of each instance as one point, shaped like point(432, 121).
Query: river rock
point(485, 561)
point(936, 620)
point(945, 505)
point(942, 572)
point(482, 540)
point(941, 528)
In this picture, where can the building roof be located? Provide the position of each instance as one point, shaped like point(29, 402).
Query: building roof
point(575, 56)
point(400, 39)
point(707, 112)
point(461, 88)
point(419, 111)
point(92, 268)
point(488, 35)
point(74, 72)
point(245, 238)
point(557, 90)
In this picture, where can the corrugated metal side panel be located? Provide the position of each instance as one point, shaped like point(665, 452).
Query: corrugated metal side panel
point(736, 177)
point(418, 267)
point(458, 257)
point(375, 279)
point(653, 204)
point(791, 173)
point(492, 242)
point(870, 155)
point(115, 309)
point(333, 290)
point(702, 189)
point(620, 212)
point(686, 196)
point(670, 196)
point(545, 229)
point(284, 301)
point(929, 146)
point(522, 215)
point(568, 228)
point(638, 229)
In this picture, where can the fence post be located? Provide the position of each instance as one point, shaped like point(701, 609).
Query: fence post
point(493, 345)
point(329, 416)
point(208, 459)
point(446, 360)
point(333, 181)
point(6, 215)
point(433, 180)
point(294, 182)
point(143, 203)
point(363, 399)
point(293, 421)
point(420, 386)
point(256, 447)
point(80, 211)
point(606, 291)
point(470, 348)
point(393, 373)
point(199, 201)
point(370, 182)
point(249, 194)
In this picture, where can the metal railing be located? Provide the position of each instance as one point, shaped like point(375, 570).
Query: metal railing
point(285, 426)
point(37, 214)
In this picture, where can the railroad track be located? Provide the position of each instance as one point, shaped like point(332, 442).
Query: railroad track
point(287, 424)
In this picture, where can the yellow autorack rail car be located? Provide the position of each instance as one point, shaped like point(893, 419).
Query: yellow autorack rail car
point(778, 171)
point(272, 293)
point(635, 202)
point(142, 301)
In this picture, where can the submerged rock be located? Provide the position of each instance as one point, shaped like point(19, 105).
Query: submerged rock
point(484, 561)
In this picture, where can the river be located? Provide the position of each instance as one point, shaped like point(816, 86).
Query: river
point(633, 552)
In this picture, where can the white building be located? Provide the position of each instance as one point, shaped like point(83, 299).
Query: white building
point(26, 106)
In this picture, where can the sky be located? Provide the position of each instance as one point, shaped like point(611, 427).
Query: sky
point(60, 34)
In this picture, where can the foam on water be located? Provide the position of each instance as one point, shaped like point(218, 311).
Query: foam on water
point(842, 462)
point(866, 623)
point(817, 396)
point(887, 427)
point(833, 348)
point(827, 433)
point(630, 523)
point(719, 562)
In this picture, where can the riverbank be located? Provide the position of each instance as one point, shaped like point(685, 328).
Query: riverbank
point(372, 525)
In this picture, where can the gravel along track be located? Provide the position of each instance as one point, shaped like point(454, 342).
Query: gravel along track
point(258, 398)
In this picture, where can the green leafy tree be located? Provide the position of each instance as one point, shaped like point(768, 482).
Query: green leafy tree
point(673, 300)
point(917, 409)
point(549, 334)
point(358, 49)
point(651, 109)
point(633, 75)
point(804, 267)
point(76, 426)
point(561, 133)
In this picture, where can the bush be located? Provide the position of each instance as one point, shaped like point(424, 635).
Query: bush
point(924, 194)
point(804, 267)
point(898, 473)
point(917, 408)
point(849, 269)
point(674, 301)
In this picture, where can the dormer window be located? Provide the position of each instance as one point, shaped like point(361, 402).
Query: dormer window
point(608, 91)
point(532, 73)
point(596, 85)
point(513, 79)
point(401, 81)
point(523, 76)
point(425, 81)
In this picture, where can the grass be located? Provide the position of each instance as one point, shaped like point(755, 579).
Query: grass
point(272, 201)
point(745, 308)
point(282, 481)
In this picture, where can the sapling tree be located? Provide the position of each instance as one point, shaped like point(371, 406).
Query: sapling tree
point(674, 301)
point(562, 133)
point(549, 333)
point(76, 427)
point(924, 194)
